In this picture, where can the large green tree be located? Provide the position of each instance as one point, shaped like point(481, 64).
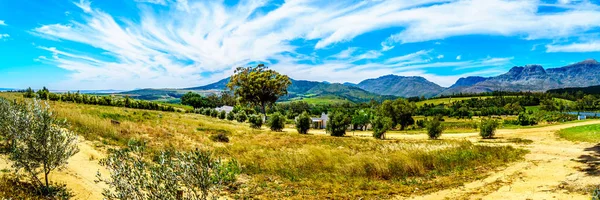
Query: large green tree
point(400, 111)
point(197, 101)
point(258, 86)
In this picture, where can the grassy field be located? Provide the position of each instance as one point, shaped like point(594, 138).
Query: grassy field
point(589, 133)
point(446, 100)
point(289, 165)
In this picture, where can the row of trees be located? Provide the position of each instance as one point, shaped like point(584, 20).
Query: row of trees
point(76, 97)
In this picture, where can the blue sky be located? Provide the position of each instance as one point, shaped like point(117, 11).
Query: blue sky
point(82, 44)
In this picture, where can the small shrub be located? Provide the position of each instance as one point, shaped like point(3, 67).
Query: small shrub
point(303, 123)
point(214, 113)
point(231, 116)
point(435, 128)
point(488, 128)
point(206, 111)
point(255, 121)
point(276, 122)
point(380, 126)
point(337, 124)
point(219, 137)
point(241, 117)
point(222, 114)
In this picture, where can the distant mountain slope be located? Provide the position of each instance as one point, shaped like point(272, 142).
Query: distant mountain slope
point(572, 90)
point(401, 86)
point(468, 81)
point(351, 93)
point(219, 85)
point(536, 78)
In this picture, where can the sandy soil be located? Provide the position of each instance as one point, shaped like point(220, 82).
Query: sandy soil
point(555, 168)
point(79, 174)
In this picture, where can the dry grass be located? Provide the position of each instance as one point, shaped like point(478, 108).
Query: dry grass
point(290, 165)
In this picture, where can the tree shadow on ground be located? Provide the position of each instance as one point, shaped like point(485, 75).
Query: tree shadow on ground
point(591, 161)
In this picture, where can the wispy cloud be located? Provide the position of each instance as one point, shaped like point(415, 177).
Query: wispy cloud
point(591, 46)
point(2, 23)
point(177, 46)
point(4, 36)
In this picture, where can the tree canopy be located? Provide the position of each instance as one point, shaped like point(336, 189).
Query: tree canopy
point(258, 86)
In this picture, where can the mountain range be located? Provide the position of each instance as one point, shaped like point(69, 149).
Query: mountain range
point(518, 78)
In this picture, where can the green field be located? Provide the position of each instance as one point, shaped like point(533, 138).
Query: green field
point(446, 100)
point(589, 133)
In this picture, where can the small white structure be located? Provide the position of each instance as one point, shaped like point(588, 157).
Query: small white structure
point(581, 117)
point(320, 122)
point(227, 109)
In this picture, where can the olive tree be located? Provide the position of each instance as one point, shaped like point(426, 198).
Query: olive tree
point(258, 86)
point(303, 123)
point(41, 143)
point(276, 122)
point(435, 128)
point(170, 175)
point(400, 111)
point(380, 126)
point(337, 124)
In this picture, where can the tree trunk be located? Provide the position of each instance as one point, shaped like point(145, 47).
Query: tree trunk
point(264, 111)
point(46, 177)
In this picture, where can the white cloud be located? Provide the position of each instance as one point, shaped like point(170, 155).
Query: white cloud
point(590, 46)
point(4, 35)
point(172, 47)
point(458, 57)
point(440, 56)
point(2, 23)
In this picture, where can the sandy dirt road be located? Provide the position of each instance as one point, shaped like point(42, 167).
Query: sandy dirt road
point(554, 169)
point(79, 174)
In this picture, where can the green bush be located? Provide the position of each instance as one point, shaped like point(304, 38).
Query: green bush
point(255, 121)
point(276, 122)
point(380, 126)
point(303, 123)
point(421, 123)
point(241, 116)
point(222, 114)
point(206, 111)
point(231, 116)
point(526, 119)
point(214, 113)
point(337, 124)
point(435, 128)
point(488, 128)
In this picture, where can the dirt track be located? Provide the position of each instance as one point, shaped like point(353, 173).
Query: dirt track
point(555, 168)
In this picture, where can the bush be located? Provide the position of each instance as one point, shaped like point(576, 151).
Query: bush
point(303, 123)
point(488, 128)
point(421, 123)
point(219, 137)
point(214, 113)
point(276, 122)
point(337, 124)
point(196, 174)
point(380, 126)
point(241, 117)
point(526, 120)
point(222, 114)
point(206, 111)
point(435, 128)
point(231, 116)
point(255, 121)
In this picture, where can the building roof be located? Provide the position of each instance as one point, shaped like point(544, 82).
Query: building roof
point(225, 108)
